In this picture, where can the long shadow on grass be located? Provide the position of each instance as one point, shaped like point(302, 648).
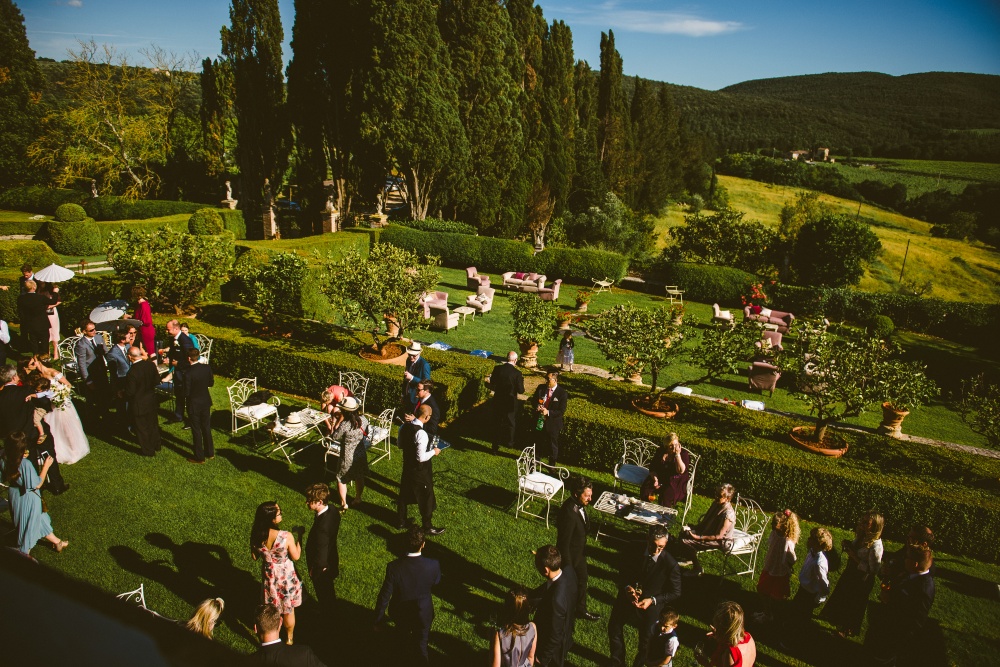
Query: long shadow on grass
point(274, 469)
point(962, 583)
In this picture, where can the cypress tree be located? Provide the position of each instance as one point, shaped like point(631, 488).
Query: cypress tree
point(411, 103)
point(613, 126)
point(252, 48)
point(588, 184)
point(559, 112)
point(216, 112)
point(656, 173)
point(484, 62)
point(20, 94)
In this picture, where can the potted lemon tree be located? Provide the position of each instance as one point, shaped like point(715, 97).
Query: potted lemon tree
point(534, 322)
point(904, 386)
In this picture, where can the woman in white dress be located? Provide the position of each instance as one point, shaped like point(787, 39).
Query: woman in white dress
point(64, 422)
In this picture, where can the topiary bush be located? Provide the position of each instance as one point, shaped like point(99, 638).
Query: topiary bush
point(36, 253)
point(75, 238)
point(109, 207)
point(704, 282)
point(436, 225)
point(233, 221)
point(70, 213)
point(881, 326)
point(205, 222)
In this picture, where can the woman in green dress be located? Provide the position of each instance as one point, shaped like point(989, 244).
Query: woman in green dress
point(25, 495)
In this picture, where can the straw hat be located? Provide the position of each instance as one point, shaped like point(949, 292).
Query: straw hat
point(349, 404)
point(415, 348)
point(294, 418)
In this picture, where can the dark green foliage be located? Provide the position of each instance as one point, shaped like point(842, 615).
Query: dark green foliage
point(580, 265)
point(705, 283)
point(216, 114)
point(788, 172)
point(252, 49)
point(611, 226)
point(82, 237)
point(657, 136)
point(613, 129)
point(36, 253)
point(70, 213)
point(881, 326)
point(274, 288)
point(38, 199)
point(23, 228)
point(233, 221)
point(961, 225)
point(558, 113)
point(437, 225)
point(725, 239)
point(955, 492)
point(79, 295)
point(833, 251)
point(109, 207)
point(20, 94)
point(150, 227)
point(589, 186)
point(205, 222)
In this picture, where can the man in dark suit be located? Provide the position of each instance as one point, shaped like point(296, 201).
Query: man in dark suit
point(16, 414)
point(199, 379)
point(550, 404)
point(572, 527)
point(908, 598)
point(406, 592)
point(555, 604)
point(118, 363)
point(322, 555)
point(415, 371)
point(93, 369)
point(417, 481)
point(273, 651)
point(177, 354)
point(140, 386)
point(424, 397)
point(33, 311)
point(649, 583)
point(506, 382)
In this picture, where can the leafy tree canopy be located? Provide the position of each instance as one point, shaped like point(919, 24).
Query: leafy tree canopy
point(833, 251)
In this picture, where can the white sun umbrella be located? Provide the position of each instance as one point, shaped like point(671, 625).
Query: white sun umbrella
point(109, 310)
point(53, 273)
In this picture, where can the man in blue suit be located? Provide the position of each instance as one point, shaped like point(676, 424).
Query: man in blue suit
point(406, 592)
point(118, 365)
point(416, 370)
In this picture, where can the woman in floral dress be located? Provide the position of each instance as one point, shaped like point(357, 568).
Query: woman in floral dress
point(277, 549)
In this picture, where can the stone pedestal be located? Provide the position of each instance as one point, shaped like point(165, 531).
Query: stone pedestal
point(228, 203)
point(331, 222)
point(270, 224)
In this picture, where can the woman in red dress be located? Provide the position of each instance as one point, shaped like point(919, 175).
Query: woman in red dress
point(144, 314)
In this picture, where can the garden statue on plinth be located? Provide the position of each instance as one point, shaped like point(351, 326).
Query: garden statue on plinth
point(229, 202)
point(331, 217)
point(93, 188)
point(270, 221)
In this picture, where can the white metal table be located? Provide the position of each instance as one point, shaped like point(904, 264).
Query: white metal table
point(633, 510)
point(286, 435)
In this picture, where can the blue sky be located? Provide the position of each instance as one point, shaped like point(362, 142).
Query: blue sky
point(709, 44)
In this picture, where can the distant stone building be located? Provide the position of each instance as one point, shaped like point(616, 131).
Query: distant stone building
point(795, 155)
point(821, 155)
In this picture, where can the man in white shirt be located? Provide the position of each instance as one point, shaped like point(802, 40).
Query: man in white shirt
point(417, 482)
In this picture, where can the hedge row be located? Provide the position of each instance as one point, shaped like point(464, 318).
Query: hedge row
point(111, 208)
point(495, 255)
point(146, 227)
point(703, 282)
point(37, 199)
point(74, 238)
point(955, 493)
point(309, 361)
point(21, 227)
point(233, 221)
point(436, 225)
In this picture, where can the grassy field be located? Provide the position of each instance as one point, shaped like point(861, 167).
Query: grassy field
point(182, 530)
point(958, 271)
point(979, 172)
point(916, 183)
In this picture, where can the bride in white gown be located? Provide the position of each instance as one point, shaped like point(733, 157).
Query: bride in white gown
point(67, 430)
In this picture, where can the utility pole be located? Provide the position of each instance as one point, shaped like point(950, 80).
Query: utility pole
point(905, 255)
point(858, 215)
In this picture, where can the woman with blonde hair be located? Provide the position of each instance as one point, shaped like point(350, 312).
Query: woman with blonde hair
point(776, 574)
point(714, 531)
point(849, 601)
point(515, 641)
point(734, 647)
point(206, 616)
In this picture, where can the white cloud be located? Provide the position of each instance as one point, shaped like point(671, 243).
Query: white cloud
point(660, 22)
point(70, 3)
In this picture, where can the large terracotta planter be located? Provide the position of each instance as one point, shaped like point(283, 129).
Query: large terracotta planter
point(391, 326)
point(392, 353)
point(529, 355)
point(660, 411)
point(892, 421)
point(581, 307)
point(802, 437)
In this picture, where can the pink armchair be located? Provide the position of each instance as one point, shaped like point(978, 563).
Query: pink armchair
point(764, 376)
point(430, 300)
point(550, 293)
point(445, 319)
point(482, 302)
point(773, 339)
point(474, 281)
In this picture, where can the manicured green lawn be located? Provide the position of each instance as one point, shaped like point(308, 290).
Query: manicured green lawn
point(948, 362)
point(183, 529)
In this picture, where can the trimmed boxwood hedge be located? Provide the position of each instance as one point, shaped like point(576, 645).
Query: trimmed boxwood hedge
point(233, 221)
point(110, 207)
point(70, 213)
point(309, 361)
point(495, 255)
point(36, 199)
point(437, 225)
point(703, 282)
point(21, 228)
point(74, 238)
point(36, 253)
point(956, 493)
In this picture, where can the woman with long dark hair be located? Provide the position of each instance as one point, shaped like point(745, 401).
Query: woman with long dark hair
point(277, 548)
point(515, 640)
point(25, 495)
point(351, 434)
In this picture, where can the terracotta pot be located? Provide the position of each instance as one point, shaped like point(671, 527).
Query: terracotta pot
point(529, 355)
point(637, 403)
point(892, 420)
point(391, 326)
point(635, 378)
point(802, 437)
point(390, 351)
point(581, 307)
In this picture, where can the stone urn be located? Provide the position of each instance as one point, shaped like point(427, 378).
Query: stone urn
point(892, 421)
point(529, 355)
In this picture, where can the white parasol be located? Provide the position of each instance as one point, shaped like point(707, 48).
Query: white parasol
point(109, 310)
point(53, 273)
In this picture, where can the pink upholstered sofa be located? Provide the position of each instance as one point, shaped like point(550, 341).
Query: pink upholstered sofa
point(524, 282)
point(767, 316)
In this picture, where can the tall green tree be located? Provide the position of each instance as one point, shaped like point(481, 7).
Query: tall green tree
point(487, 70)
point(411, 103)
point(218, 129)
point(833, 251)
point(252, 48)
point(20, 94)
point(612, 118)
point(655, 162)
point(588, 186)
point(559, 113)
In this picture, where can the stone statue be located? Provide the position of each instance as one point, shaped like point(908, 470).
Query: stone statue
point(229, 191)
point(93, 188)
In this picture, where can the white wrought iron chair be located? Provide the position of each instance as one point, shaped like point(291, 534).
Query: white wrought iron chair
point(380, 434)
point(204, 346)
point(747, 536)
point(692, 468)
point(633, 468)
point(67, 353)
point(356, 383)
point(138, 596)
point(534, 484)
point(253, 415)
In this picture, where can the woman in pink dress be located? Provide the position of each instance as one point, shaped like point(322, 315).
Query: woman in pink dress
point(144, 314)
point(277, 549)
